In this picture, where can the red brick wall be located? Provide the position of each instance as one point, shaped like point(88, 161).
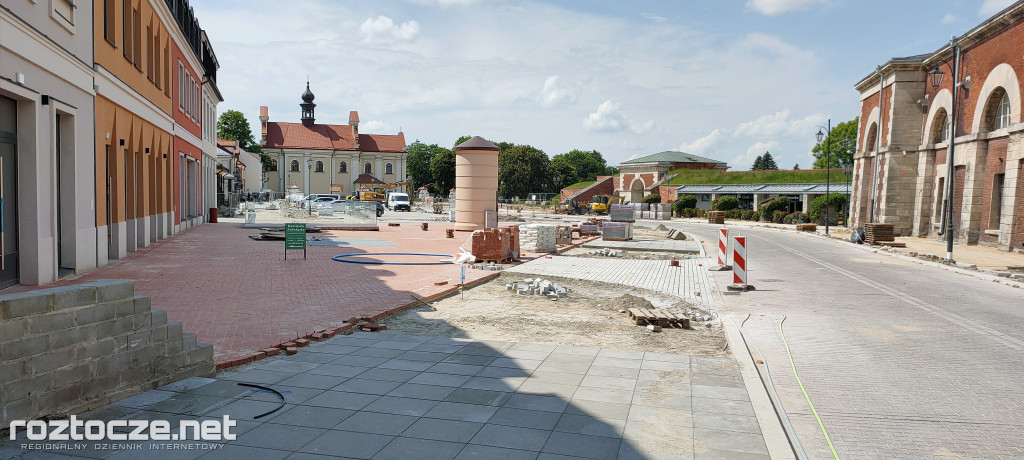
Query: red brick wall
point(866, 107)
point(995, 164)
point(667, 192)
point(879, 180)
point(603, 188)
point(978, 61)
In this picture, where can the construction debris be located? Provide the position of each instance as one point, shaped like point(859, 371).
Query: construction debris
point(489, 266)
point(537, 286)
point(606, 253)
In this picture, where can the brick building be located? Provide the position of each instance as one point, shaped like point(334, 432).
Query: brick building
point(645, 175)
point(903, 142)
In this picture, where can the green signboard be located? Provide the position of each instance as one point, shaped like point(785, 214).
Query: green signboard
point(294, 238)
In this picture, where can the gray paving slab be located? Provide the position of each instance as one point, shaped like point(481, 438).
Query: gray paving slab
point(427, 449)
point(461, 411)
point(443, 430)
point(411, 398)
point(377, 423)
point(348, 443)
point(311, 356)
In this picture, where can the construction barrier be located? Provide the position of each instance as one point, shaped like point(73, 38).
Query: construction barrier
point(739, 261)
point(723, 253)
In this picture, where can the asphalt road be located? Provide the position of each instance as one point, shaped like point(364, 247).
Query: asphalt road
point(900, 360)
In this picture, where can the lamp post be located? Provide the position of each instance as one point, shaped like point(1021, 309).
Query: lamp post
point(309, 186)
point(828, 168)
point(935, 78)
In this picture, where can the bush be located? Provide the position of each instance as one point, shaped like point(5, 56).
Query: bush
point(748, 214)
point(796, 218)
point(651, 199)
point(778, 204)
point(733, 214)
point(778, 216)
point(555, 199)
point(726, 203)
point(684, 201)
point(692, 212)
point(836, 201)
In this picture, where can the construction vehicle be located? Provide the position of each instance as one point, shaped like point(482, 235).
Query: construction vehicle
point(571, 207)
point(379, 194)
point(601, 204)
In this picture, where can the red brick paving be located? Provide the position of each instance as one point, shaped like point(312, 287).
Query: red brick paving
point(242, 296)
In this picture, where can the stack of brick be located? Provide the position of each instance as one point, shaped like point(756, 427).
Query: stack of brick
point(496, 244)
point(69, 348)
point(537, 237)
point(590, 227)
point(563, 235)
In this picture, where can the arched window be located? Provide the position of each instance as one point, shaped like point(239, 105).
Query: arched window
point(997, 110)
point(940, 127)
point(319, 166)
point(367, 168)
point(872, 134)
point(1002, 113)
point(273, 165)
point(295, 166)
point(388, 169)
point(342, 167)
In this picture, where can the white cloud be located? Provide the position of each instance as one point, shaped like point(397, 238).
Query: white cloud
point(555, 93)
point(746, 160)
point(607, 119)
point(991, 7)
point(779, 124)
point(773, 7)
point(702, 145)
point(376, 127)
point(382, 29)
point(654, 17)
point(948, 18)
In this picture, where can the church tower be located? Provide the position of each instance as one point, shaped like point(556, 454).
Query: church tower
point(307, 107)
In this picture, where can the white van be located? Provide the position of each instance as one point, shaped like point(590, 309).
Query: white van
point(398, 201)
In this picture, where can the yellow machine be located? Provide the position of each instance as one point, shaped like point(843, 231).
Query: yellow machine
point(600, 204)
point(380, 194)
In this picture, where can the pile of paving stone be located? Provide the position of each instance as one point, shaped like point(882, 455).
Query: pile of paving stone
point(489, 266)
point(537, 286)
point(606, 253)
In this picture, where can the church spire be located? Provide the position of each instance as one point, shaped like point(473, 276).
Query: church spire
point(307, 107)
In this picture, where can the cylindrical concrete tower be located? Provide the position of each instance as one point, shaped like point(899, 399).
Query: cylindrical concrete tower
point(476, 183)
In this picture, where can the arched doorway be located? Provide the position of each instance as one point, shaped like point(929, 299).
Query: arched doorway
point(636, 191)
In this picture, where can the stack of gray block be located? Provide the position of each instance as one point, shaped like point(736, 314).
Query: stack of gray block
point(538, 286)
point(68, 348)
point(621, 213)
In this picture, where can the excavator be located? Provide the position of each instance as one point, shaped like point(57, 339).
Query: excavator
point(601, 204)
point(380, 194)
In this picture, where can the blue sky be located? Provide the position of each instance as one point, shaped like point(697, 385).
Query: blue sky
point(727, 79)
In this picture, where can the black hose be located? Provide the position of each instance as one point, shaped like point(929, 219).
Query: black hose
point(261, 387)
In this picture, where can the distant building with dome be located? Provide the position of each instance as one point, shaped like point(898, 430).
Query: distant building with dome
point(308, 157)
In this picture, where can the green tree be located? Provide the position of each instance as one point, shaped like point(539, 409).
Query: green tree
point(578, 166)
point(769, 162)
point(233, 126)
point(418, 160)
point(758, 163)
point(461, 140)
point(839, 145)
point(442, 171)
point(796, 167)
point(523, 169)
point(726, 203)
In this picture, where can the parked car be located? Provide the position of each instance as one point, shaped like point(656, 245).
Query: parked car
point(399, 201)
point(380, 209)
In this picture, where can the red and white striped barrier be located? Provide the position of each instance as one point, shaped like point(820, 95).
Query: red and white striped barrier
point(739, 265)
point(723, 252)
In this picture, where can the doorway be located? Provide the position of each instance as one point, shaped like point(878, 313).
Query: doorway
point(8, 193)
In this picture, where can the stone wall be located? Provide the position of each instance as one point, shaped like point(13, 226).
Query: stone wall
point(68, 348)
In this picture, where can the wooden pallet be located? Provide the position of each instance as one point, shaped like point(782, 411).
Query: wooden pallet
point(878, 233)
point(806, 227)
point(645, 316)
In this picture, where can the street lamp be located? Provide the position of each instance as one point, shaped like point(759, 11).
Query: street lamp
point(935, 78)
point(309, 186)
point(828, 167)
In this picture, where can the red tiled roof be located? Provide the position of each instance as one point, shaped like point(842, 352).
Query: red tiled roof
point(329, 137)
point(367, 179)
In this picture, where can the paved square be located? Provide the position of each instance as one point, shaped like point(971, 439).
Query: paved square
point(430, 407)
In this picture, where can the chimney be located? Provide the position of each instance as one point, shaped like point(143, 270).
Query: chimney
point(353, 121)
point(264, 117)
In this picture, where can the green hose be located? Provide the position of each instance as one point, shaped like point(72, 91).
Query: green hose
point(806, 396)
